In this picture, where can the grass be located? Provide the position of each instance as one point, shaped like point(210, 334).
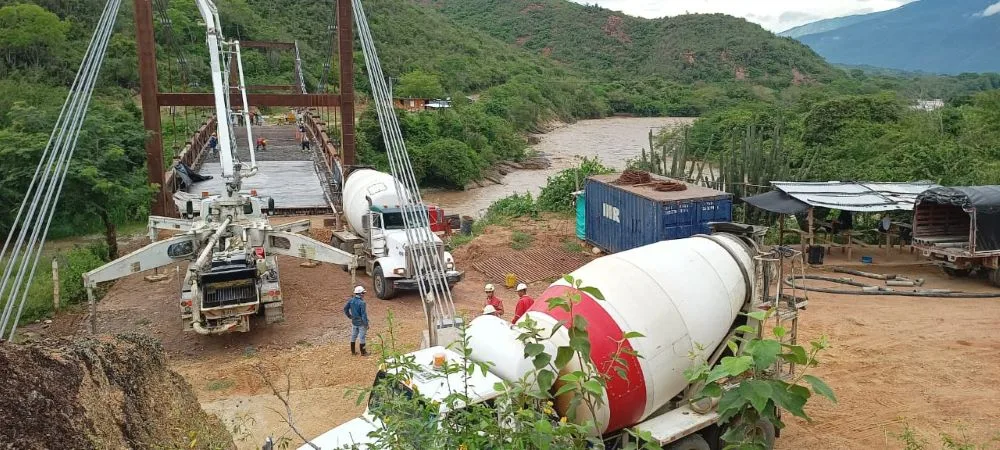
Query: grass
point(572, 246)
point(220, 385)
point(520, 240)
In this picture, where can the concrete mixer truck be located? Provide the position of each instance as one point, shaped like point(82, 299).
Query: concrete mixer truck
point(685, 296)
point(377, 234)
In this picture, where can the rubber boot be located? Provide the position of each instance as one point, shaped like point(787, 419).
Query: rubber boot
point(363, 351)
point(353, 351)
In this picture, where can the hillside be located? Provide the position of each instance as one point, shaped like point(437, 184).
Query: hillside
point(688, 48)
point(938, 36)
point(834, 23)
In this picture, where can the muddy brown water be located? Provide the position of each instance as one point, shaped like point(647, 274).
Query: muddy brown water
point(613, 140)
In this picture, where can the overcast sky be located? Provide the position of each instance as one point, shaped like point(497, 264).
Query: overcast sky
point(775, 15)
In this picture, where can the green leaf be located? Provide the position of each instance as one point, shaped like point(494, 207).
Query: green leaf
point(711, 390)
point(730, 366)
point(790, 399)
point(758, 315)
point(563, 355)
point(533, 349)
point(545, 380)
point(780, 331)
point(694, 373)
point(820, 387)
point(731, 400)
point(593, 386)
point(765, 353)
point(633, 335)
point(622, 373)
point(757, 392)
point(581, 345)
point(593, 292)
point(796, 355)
point(572, 377)
point(541, 360)
point(746, 329)
point(580, 323)
point(733, 347)
point(565, 388)
point(558, 303)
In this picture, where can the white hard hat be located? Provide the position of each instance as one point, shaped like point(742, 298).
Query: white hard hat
point(359, 289)
point(490, 288)
point(522, 287)
point(489, 309)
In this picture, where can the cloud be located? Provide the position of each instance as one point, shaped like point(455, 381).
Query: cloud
point(991, 10)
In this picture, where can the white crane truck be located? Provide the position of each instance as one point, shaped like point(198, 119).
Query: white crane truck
point(682, 295)
point(377, 234)
point(234, 273)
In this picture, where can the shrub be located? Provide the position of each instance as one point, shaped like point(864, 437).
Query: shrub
point(556, 196)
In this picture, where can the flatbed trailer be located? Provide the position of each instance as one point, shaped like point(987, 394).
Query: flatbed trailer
point(959, 229)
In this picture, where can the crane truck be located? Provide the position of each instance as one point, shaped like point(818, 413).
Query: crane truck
point(376, 233)
point(233, 274)
point(682, 295)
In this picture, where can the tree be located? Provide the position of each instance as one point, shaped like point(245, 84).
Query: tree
point(31, 35)
point(448, 162)
point(419, 84)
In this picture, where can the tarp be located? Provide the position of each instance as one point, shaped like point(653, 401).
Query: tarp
point(581, 215)
point(855, 197)
point(984, 201)
point(777, 202)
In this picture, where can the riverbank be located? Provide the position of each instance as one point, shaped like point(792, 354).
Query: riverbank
point(613, 141)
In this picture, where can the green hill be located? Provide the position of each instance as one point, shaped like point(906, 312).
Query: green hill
point(688, 48)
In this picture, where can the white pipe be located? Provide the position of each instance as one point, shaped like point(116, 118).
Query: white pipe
point(208, 14)
point(246, 109)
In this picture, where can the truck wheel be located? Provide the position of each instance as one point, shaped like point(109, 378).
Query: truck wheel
point(956, 273)
point(383, 286)
point(692, 442)
point(995, 277)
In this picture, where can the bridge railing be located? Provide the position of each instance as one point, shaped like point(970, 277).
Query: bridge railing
point(192, 154)
point(317, 128)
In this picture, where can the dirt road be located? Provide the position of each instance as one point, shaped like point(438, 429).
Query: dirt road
point(931, 363)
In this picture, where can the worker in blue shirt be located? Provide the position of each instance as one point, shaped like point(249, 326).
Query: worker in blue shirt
point(356, 311)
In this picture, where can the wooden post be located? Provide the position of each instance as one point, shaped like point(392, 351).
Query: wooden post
point(850, 245)
point(781, 229)
point(93, 310)
point(55, 284)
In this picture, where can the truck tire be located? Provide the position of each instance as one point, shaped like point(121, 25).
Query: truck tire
point(956, 273)
point(692, 442)
point(995, 277)
point(382, 285)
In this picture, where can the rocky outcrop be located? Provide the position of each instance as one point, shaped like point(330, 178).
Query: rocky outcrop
point(102, 393)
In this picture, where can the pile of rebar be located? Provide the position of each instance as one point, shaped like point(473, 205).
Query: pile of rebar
point(641, 178)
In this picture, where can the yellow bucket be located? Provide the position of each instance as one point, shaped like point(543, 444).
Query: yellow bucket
point(510, 280)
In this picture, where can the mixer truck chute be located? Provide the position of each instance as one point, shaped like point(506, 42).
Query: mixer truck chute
point(377, 234)
point(687, 296)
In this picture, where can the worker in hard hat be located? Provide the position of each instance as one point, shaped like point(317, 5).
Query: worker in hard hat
point(489, 310)
point(491, 299)
point(524, 302)
point(356, 310)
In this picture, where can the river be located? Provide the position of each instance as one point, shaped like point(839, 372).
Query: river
point(613, 140)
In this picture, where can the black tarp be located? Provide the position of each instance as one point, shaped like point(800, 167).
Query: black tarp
point(777, 202)
point(983, 200)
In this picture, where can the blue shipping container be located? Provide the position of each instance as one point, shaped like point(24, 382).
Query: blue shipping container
point(620, 218)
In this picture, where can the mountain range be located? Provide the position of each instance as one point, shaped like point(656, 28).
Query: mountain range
point(936, 36)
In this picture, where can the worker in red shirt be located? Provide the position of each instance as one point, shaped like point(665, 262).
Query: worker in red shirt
point(492, 300)
point(523, 302)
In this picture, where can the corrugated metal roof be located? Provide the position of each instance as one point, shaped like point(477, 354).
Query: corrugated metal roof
point(692, 192)
point(857, 197)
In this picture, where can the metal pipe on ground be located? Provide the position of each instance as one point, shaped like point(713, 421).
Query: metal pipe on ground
point(879, 290)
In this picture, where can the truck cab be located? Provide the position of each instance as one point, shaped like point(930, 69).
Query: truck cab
point(388, 258)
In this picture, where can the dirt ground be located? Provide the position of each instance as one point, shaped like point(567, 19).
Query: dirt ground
point(929, 363)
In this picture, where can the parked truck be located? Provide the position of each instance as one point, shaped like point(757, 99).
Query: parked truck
point(377, 233)
point(959, 229)
point(685, 296)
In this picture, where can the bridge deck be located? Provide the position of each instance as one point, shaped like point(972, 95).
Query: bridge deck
point(285, 171)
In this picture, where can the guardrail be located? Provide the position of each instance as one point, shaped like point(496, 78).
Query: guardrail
point(192, 154)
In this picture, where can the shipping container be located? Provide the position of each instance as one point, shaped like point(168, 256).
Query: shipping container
point(623, 217)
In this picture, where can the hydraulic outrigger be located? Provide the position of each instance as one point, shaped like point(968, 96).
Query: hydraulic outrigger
point(234, 272)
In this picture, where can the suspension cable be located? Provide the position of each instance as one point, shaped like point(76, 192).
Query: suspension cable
point(41, 201)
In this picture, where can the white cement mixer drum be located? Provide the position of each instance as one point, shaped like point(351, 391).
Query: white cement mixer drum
point(361, 185)
point(679, 294)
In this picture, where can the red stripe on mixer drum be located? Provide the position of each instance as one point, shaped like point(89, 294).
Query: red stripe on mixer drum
point(626, 397)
